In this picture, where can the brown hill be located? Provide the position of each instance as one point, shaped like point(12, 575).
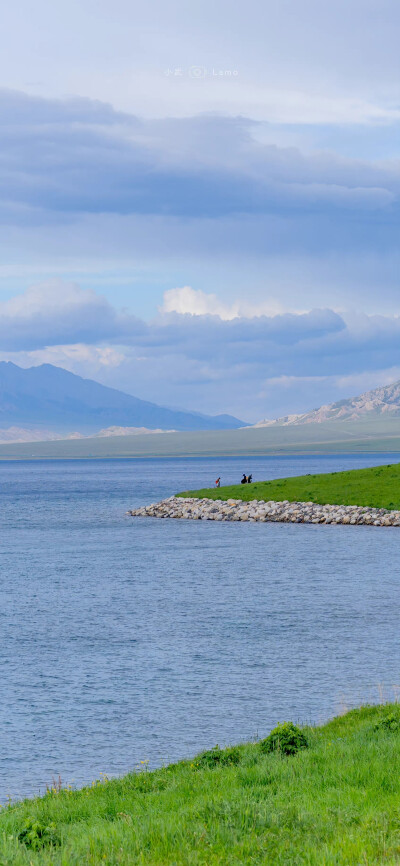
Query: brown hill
point(380, 401)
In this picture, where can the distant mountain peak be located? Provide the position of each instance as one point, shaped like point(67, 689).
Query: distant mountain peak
point(384, 400)
point(50, 398)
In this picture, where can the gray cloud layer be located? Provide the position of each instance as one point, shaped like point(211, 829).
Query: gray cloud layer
point(82, 157)
point(85, 185)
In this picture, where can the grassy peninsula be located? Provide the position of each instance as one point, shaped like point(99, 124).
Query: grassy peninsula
point(333, 803)
point(377, 487)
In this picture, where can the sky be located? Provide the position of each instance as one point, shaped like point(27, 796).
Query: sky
point(200, 203)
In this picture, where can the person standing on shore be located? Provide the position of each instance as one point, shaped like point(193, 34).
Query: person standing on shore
point(218, 482)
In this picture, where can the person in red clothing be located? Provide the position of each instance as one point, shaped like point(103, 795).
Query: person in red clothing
point(218, 482)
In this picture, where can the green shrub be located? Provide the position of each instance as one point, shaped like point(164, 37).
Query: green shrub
point(388, 723)
point(36, 835)
point(218, 757)
point(286, 738)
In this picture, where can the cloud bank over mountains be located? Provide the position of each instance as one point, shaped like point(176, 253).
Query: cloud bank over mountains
point(200, 351)
point(221, 201)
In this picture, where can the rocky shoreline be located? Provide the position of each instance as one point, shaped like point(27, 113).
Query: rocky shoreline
point(256, 510)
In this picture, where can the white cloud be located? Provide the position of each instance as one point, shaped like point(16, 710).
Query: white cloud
point(76, 355)
point(195, 302)
point(357, 383)
point(91, 362)
point(290, 381)
point(56, 313)
point(51, 297)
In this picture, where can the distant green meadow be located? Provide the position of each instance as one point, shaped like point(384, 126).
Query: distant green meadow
point(377, 487)
point(333, 801)
point(371, 434)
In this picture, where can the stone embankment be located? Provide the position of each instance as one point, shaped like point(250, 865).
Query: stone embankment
point(256, 510)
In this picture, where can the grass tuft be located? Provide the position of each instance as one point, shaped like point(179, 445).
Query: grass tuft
point(286, 738)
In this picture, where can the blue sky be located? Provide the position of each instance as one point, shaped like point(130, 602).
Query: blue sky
point(201, 205)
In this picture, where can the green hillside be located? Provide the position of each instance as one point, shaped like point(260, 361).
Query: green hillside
point(377, 487)
point(333, 803)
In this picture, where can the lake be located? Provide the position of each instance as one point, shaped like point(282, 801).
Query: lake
point(125, 639)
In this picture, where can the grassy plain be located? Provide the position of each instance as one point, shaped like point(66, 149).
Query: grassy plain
point(335, 803)
point(367, 435)
point(377, 487)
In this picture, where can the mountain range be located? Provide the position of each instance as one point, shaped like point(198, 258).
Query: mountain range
point(382, 401)
point(47, 402)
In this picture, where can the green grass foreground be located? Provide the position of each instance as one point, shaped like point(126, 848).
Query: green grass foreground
point(335, 802)
point(377, 487)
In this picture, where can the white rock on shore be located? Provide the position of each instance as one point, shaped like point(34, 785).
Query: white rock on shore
point(258, 510)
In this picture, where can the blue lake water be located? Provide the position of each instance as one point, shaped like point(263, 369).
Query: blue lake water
point(123, 640)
